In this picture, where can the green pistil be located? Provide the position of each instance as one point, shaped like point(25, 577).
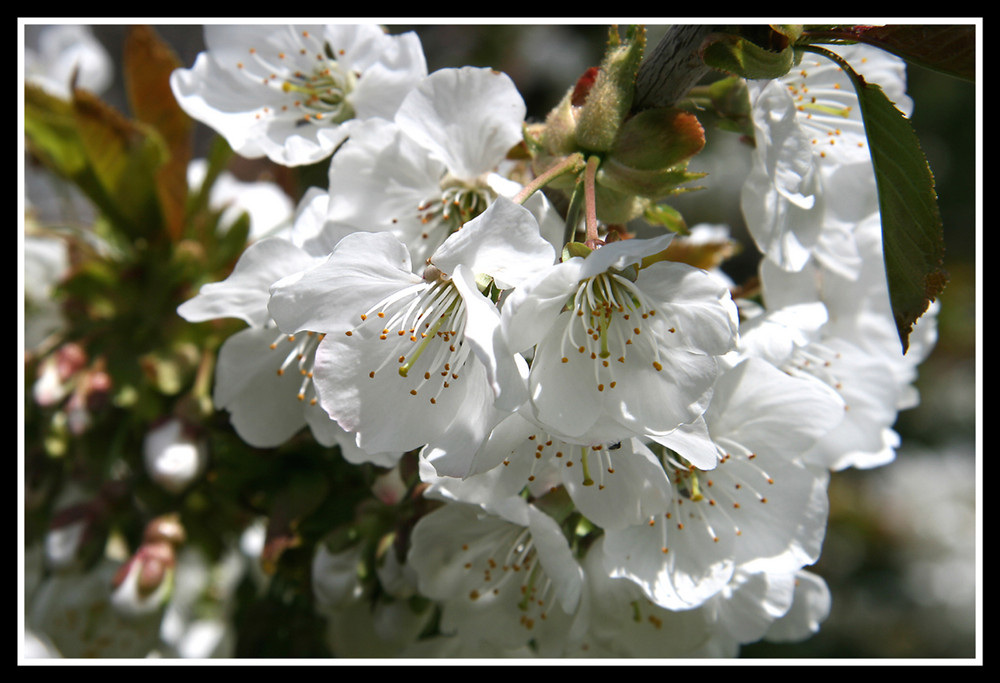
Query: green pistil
point(602, 327)
point(693, 487)
point(636, 614)
point(827, 109)
point(607, 294)
point(587, 481)
point(430, 334)
point(458, 205)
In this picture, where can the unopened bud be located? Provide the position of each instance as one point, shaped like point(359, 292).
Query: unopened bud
point(91, 394)
point(144, 583)
point(62, 543)
point(56, 373)
point(157, 560)
point(389, 488)
point(174, 457)
point(166, 528)
point(610, 97)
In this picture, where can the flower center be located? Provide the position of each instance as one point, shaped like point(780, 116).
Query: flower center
point(711, 502)
point(819, 362)
point(458, 203)
point(324, 92)
point(609, 314)
point(827, 108)
point(512, 568)
point(424, 327)
point(313, 81)
point(546, 454)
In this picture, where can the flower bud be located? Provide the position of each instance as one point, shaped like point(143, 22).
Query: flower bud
point(144, 583)
point(63, 543)
point(91, 395)
point(610, 97)
point(56, 372)
point(174, 457)
point(389, 487)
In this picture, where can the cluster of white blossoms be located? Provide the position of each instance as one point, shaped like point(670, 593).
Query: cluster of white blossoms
point(627, 461)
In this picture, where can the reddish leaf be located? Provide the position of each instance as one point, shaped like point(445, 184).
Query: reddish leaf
point(148, 63)
point(950, 49)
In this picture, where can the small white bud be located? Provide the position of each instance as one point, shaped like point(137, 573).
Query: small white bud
point(173, 457)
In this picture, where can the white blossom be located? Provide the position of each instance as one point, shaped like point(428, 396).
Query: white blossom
point(504, 575)
point(408, 360)
point(620, 350)
point(292, 93)
point(173, 456)
point(811, 179)
point(66, 52)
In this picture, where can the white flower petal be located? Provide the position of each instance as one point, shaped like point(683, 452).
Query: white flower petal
point(263, 405)
point(244, 293)
point(503, 242)
point(362, 270)
point(506, 373)
point(468, 117)
point(636, 488)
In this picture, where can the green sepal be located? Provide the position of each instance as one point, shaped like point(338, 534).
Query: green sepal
point(559, 135)
point(667, 216)
point(616, 207)
point(573, 249)
point(533, 136)
point(742, 57)
point(660, 138)
point(790, 32)
point(653, 184)
point(731, 103)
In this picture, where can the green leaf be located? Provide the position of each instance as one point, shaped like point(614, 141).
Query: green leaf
point(948, 49)
point(125, 157)
point(50, 132)
point(912, 239)
point(218, 157)
point(234, 241)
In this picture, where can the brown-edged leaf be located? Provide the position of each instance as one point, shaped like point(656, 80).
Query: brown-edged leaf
point(147, 65)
